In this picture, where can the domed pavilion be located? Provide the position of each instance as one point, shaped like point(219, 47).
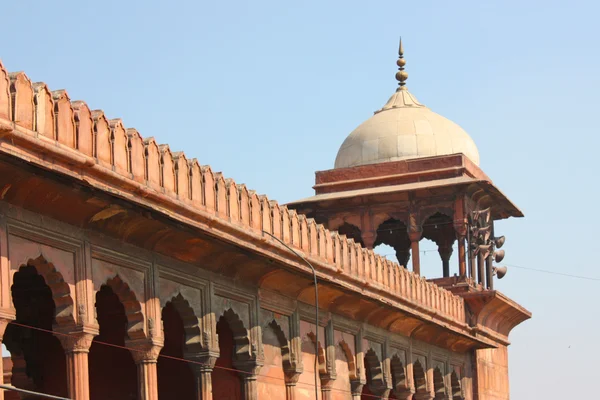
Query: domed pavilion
point(408, 173)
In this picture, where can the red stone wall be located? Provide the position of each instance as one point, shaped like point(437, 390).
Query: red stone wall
point(271, 384)
point(492, 374)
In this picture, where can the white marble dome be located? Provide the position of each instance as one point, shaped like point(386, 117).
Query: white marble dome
point(404, 129)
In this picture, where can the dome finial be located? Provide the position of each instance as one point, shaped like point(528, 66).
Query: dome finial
point(401, 75)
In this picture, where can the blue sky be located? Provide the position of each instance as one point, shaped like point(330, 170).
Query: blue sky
point(266, 91)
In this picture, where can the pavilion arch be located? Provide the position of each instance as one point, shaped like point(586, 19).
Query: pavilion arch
point(434, 212)
point(241, 338)
point(351, 232)
point(375, 375)
point(133, 308)
point(191, 325)
point(61, 292)
point(393, 232)
point(455, 387)
point(438, 384)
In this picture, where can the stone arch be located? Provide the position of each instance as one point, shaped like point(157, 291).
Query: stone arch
point(353, 371)
point(181, 341)
point(439, 228)
point(400, 382)
point(320, 351)
point(119, 318)
point(61, 292)
point(284, 344)
point(241, 337)
point(419, 377)
point(426, 214)
point(133, 308)
point(455, 387)
point(191, 325)
point(351, 232)
point(439, 387)
point(393, 232)
point(38, 358)
point(375, 375)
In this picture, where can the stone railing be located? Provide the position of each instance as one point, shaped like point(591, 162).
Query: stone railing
point(64, 127)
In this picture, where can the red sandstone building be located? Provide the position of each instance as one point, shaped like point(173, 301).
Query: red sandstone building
point(130, 271)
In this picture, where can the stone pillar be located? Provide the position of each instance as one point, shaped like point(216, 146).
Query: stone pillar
point(3, 324)
point(356, 387)
point(326, 387)
point(202, 366)
point(368, 238)
point(415, 237)
point(77, 346)
point(462, 256)
point(291, 379)
point(481, 269)
point(403, 256)
point(445, 252)
point(249, 375)
point(145, 354)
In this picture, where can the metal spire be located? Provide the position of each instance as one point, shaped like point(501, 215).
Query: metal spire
point(401, 75)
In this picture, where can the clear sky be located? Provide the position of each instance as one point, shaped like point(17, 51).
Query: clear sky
point(266, 91)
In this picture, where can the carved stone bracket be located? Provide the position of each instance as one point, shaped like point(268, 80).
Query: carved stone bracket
point(356, 386)
point(144, 350)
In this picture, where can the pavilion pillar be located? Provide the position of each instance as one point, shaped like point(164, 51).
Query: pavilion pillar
point(445, 251)
point(415, 237)
point(481, 269)
point(145, 354)
point(403, 256)
point(202, 367)
point(460, 227)
point(368, 238)
point(462, 256)
point(76, 344)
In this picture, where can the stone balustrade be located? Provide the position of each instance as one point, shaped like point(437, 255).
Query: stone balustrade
point(51, 123)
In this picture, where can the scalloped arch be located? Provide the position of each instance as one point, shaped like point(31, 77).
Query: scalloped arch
point(61, 293)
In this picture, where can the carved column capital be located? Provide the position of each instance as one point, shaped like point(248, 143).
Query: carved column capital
point(250, 367)
point(368, 239)
point(144, 350)
point(77, 338)
point(292, 376)
point(415, 235)
point(76, 342)
point(202, 362)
